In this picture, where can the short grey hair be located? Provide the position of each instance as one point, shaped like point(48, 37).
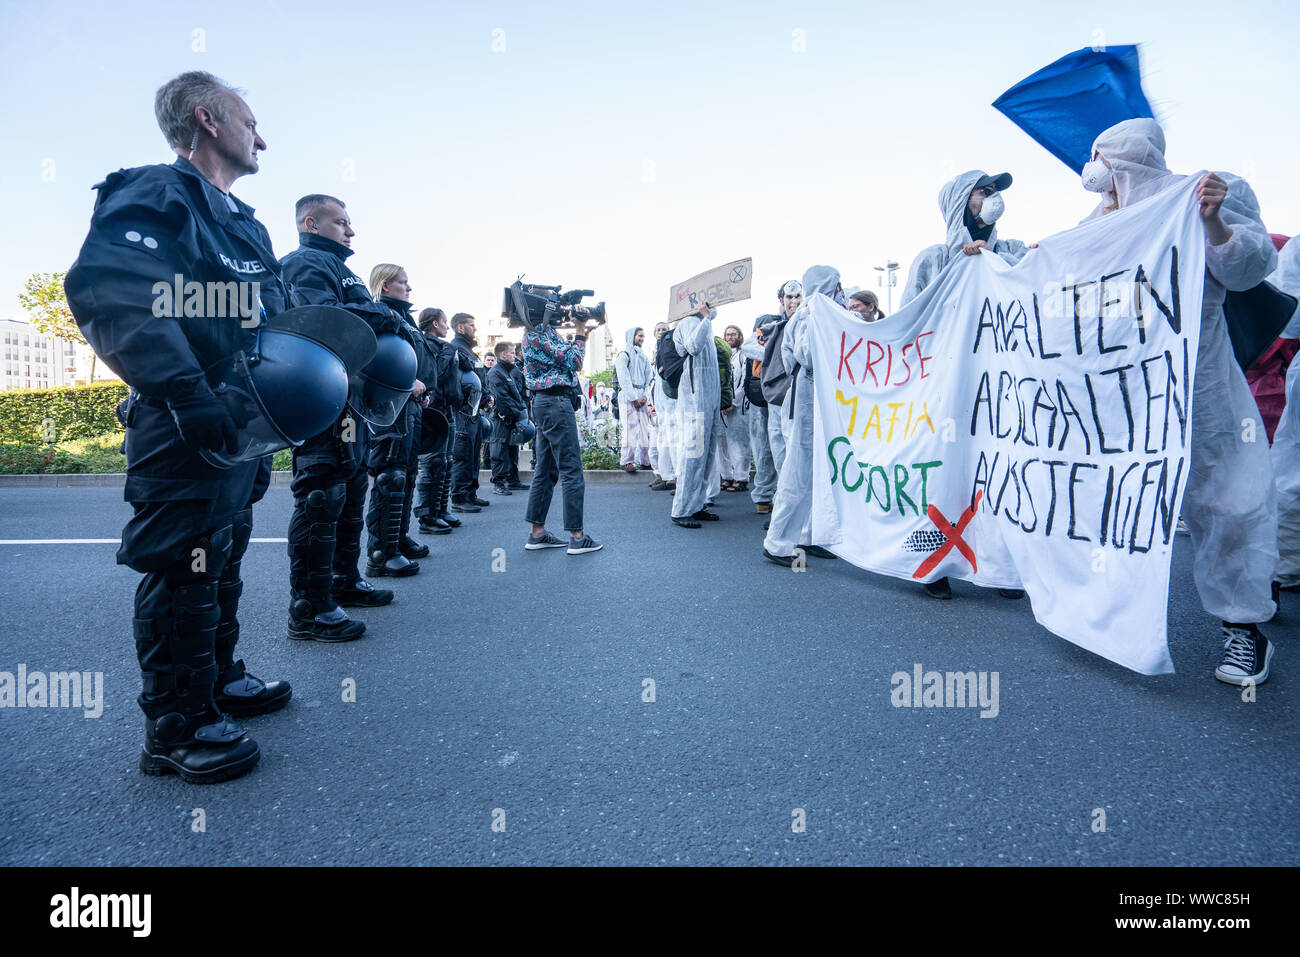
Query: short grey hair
point(313, 205)
point(177, 99)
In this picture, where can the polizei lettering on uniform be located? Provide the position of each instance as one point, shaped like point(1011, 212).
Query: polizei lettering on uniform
point(75, 909)
point(206, 300)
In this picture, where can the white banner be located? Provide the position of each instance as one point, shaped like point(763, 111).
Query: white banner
point(1025, 426)
point(722, 284)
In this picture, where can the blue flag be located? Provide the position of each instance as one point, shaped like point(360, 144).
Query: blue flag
point(1067, 103)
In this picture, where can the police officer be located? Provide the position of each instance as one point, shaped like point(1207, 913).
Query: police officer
point(329, 470)
point(517, 374)
point(391, 458)
point(433, 483)
point(192, 520)
point(466, 453)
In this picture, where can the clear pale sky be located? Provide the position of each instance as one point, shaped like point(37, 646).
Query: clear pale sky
point(623, 147)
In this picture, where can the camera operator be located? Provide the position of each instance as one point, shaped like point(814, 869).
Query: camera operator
point(551, 372)
point(508, 411)
point(466, 453)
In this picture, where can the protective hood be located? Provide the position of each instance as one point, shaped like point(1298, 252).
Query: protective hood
point(953, 198)
point(821, 279)
point(1135, 150)
point(629, 340)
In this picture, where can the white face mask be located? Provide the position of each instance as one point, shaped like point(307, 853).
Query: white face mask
point(1097, 177)
point(992, 209)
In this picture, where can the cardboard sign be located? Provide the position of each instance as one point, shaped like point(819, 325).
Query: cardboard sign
point(729, 283)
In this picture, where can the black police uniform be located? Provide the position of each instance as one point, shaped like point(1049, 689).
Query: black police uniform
point(517, 374)
point(329, 470)
point(192, 521)
point(433, 482)
point(465, 453)
point(506, 413)
point(391, 461)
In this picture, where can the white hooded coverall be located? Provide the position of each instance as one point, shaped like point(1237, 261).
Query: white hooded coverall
point(1229, 503)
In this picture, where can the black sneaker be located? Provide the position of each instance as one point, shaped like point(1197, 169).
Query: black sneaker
point(501, 490)
point(786, 560)
point(449, 519)
point(1012, 593)
point(519, 486)
point(581, 546)
point(434, 526)
point(544, 540)
point(1246, 655)
point(939, 588)
point(480, 502)
point(359, 594)
point(465, 507)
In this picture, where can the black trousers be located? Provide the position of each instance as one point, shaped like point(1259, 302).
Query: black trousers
point(465, 454)
point(558, 457)
point(188, 534)
point(500, 448)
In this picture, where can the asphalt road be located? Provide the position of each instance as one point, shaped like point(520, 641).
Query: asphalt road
point(522, 690)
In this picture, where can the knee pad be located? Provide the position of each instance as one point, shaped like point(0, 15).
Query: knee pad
point(324, 505)
point(241, 530)
point(391, 481)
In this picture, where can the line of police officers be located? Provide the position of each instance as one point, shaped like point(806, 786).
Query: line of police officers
point(210, 392)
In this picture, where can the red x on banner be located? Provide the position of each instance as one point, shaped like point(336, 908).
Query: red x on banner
point(953, 536)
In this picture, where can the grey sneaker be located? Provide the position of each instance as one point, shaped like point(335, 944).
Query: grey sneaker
point(1246, 655)
point(545, 540)
point(581, 546)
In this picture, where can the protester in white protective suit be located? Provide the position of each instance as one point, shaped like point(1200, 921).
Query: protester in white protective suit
point(766, 436)
point(635, 378)
point(666, 427)
point(791, 524)
point(698, 395)
point(1286, 440)
point(971, 204)
point(733, 440)
point(1229, 501)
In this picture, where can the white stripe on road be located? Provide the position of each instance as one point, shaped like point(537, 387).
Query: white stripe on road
point(100, 541)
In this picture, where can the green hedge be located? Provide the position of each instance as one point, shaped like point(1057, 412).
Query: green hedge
point(101, 454)
point(74, 412)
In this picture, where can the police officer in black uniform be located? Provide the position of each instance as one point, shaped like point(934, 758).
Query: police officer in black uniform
point(470, 432)
point(329, 471)
point(517, 374)
point(192, 520)
point(391, 458)
point(433, 482)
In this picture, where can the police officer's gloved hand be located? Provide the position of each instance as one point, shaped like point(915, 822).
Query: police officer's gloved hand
point(204, 421)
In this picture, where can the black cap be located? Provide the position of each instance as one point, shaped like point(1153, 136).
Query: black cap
point(1001, 181)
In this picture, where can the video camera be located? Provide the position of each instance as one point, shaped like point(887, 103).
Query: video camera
point(536, 306)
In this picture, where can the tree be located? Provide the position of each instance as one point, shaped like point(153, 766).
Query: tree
point(44, 299)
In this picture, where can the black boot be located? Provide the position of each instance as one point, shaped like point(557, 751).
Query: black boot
point(407, 545)
point(237, 692)
point(184, 732)
point(444, 496)
point(384, 522)
point(358, 593)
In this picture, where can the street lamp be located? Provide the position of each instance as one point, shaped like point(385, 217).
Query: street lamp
point(888, 280)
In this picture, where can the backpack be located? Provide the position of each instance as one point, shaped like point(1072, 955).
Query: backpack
point(669, 364)
point(447, 388)
point(752, 381)
point(776, 378)
point(727, 396)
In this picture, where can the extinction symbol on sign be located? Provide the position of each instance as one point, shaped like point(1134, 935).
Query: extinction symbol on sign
point(952, 538)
